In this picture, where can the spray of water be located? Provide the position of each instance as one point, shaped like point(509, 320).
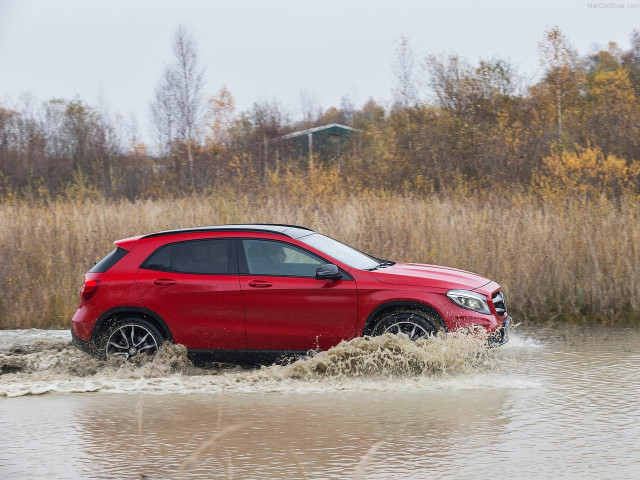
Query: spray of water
point(395, 356)
point(56, 366)
point(66, 360)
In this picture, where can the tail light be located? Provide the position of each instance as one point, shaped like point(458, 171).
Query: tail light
point(89, 287)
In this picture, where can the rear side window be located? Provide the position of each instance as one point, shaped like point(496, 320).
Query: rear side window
point(159, 260)
point(109, 261)
point(208, 257)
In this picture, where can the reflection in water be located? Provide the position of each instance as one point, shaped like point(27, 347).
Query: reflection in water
point(562, 404)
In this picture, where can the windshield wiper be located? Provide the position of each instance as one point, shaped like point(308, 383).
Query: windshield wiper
point(386, 263)
point(382, 264)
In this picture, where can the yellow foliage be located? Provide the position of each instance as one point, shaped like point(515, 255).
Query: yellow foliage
point(139, 150)
point(80, 189)
point(612, 89)
point(220, 117)
point(317, 182)
point(587, 172)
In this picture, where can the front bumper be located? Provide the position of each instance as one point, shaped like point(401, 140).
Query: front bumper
point(501, 334)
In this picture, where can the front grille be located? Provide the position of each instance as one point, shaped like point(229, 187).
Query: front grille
point(499, 303)
point(501, 335)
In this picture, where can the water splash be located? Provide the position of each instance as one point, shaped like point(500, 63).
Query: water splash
point(43, 360)
point(396, 356)
point(379, 363)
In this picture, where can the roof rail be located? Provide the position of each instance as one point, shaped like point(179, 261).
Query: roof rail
point(275, 228)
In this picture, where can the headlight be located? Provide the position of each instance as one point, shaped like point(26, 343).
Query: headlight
point(469, 300)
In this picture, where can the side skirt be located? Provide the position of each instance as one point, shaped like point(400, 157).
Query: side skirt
point(245, 357)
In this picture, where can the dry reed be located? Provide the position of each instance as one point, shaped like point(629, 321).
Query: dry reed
point(570, 259)
point(366, 459)
point(208, 446)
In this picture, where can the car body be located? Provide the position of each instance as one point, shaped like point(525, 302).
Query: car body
point(252, 291)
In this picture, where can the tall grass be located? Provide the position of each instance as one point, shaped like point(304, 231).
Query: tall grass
point(558, 259)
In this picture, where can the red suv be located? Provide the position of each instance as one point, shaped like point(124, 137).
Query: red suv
point(255, 291)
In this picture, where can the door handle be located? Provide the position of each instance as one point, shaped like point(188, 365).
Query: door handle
point(164, 281)
point(259, 283)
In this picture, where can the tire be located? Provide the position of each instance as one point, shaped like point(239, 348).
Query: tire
point(416, 324)
point(130, 337)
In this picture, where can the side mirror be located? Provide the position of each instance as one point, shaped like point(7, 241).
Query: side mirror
point(328, 272)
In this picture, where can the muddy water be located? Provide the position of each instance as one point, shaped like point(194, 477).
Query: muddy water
point(553, 403)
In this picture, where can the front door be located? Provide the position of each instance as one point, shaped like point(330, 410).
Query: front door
point(286, 308)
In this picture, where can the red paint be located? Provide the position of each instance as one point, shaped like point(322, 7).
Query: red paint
point(298, 313)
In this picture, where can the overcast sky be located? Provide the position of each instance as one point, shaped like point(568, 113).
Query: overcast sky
point(266, 49)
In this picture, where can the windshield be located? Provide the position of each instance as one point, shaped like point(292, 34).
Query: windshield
point(341, 252)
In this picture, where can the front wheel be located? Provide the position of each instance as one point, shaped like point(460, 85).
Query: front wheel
point(414, 324)
point(131, 337)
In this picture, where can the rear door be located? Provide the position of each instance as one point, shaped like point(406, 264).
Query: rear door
point(194, 286)
point(286, 308)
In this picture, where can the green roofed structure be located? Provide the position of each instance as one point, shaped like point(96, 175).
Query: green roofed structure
point(324, 141)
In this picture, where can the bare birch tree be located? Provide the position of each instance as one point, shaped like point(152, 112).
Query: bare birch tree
point(178, 107)
point(405, 90)
point(560, 60)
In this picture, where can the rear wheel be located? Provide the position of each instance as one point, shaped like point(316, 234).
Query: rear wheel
point(131, 337)
point(415, 324)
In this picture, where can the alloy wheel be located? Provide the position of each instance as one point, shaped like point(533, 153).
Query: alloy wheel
point(411, 329)
point(129, 340)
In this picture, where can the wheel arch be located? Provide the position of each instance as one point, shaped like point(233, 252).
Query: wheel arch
point(111, 316)
point(399, 305)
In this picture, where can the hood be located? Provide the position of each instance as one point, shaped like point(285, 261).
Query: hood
point(429, 276)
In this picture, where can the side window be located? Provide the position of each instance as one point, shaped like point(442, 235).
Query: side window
point(204, 256)
point(159, 260)
point(209, 257)
point(268, 257)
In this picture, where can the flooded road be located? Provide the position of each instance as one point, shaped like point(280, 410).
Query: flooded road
point(553, 403)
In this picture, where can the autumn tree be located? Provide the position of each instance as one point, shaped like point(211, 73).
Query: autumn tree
point(631, 61)
point(333, 115)
point(255, 130)
point(609, 59)
point(76, 141)
point(562, 75)
point(612, 119)
point(21, 143)
point(476, 118)
point(220, 117)
point(448, 82)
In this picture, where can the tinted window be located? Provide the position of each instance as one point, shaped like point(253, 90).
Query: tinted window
point(212, 257)
point(160, 260)
point(109, 261)
point(266, 257)
point(207, 256)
